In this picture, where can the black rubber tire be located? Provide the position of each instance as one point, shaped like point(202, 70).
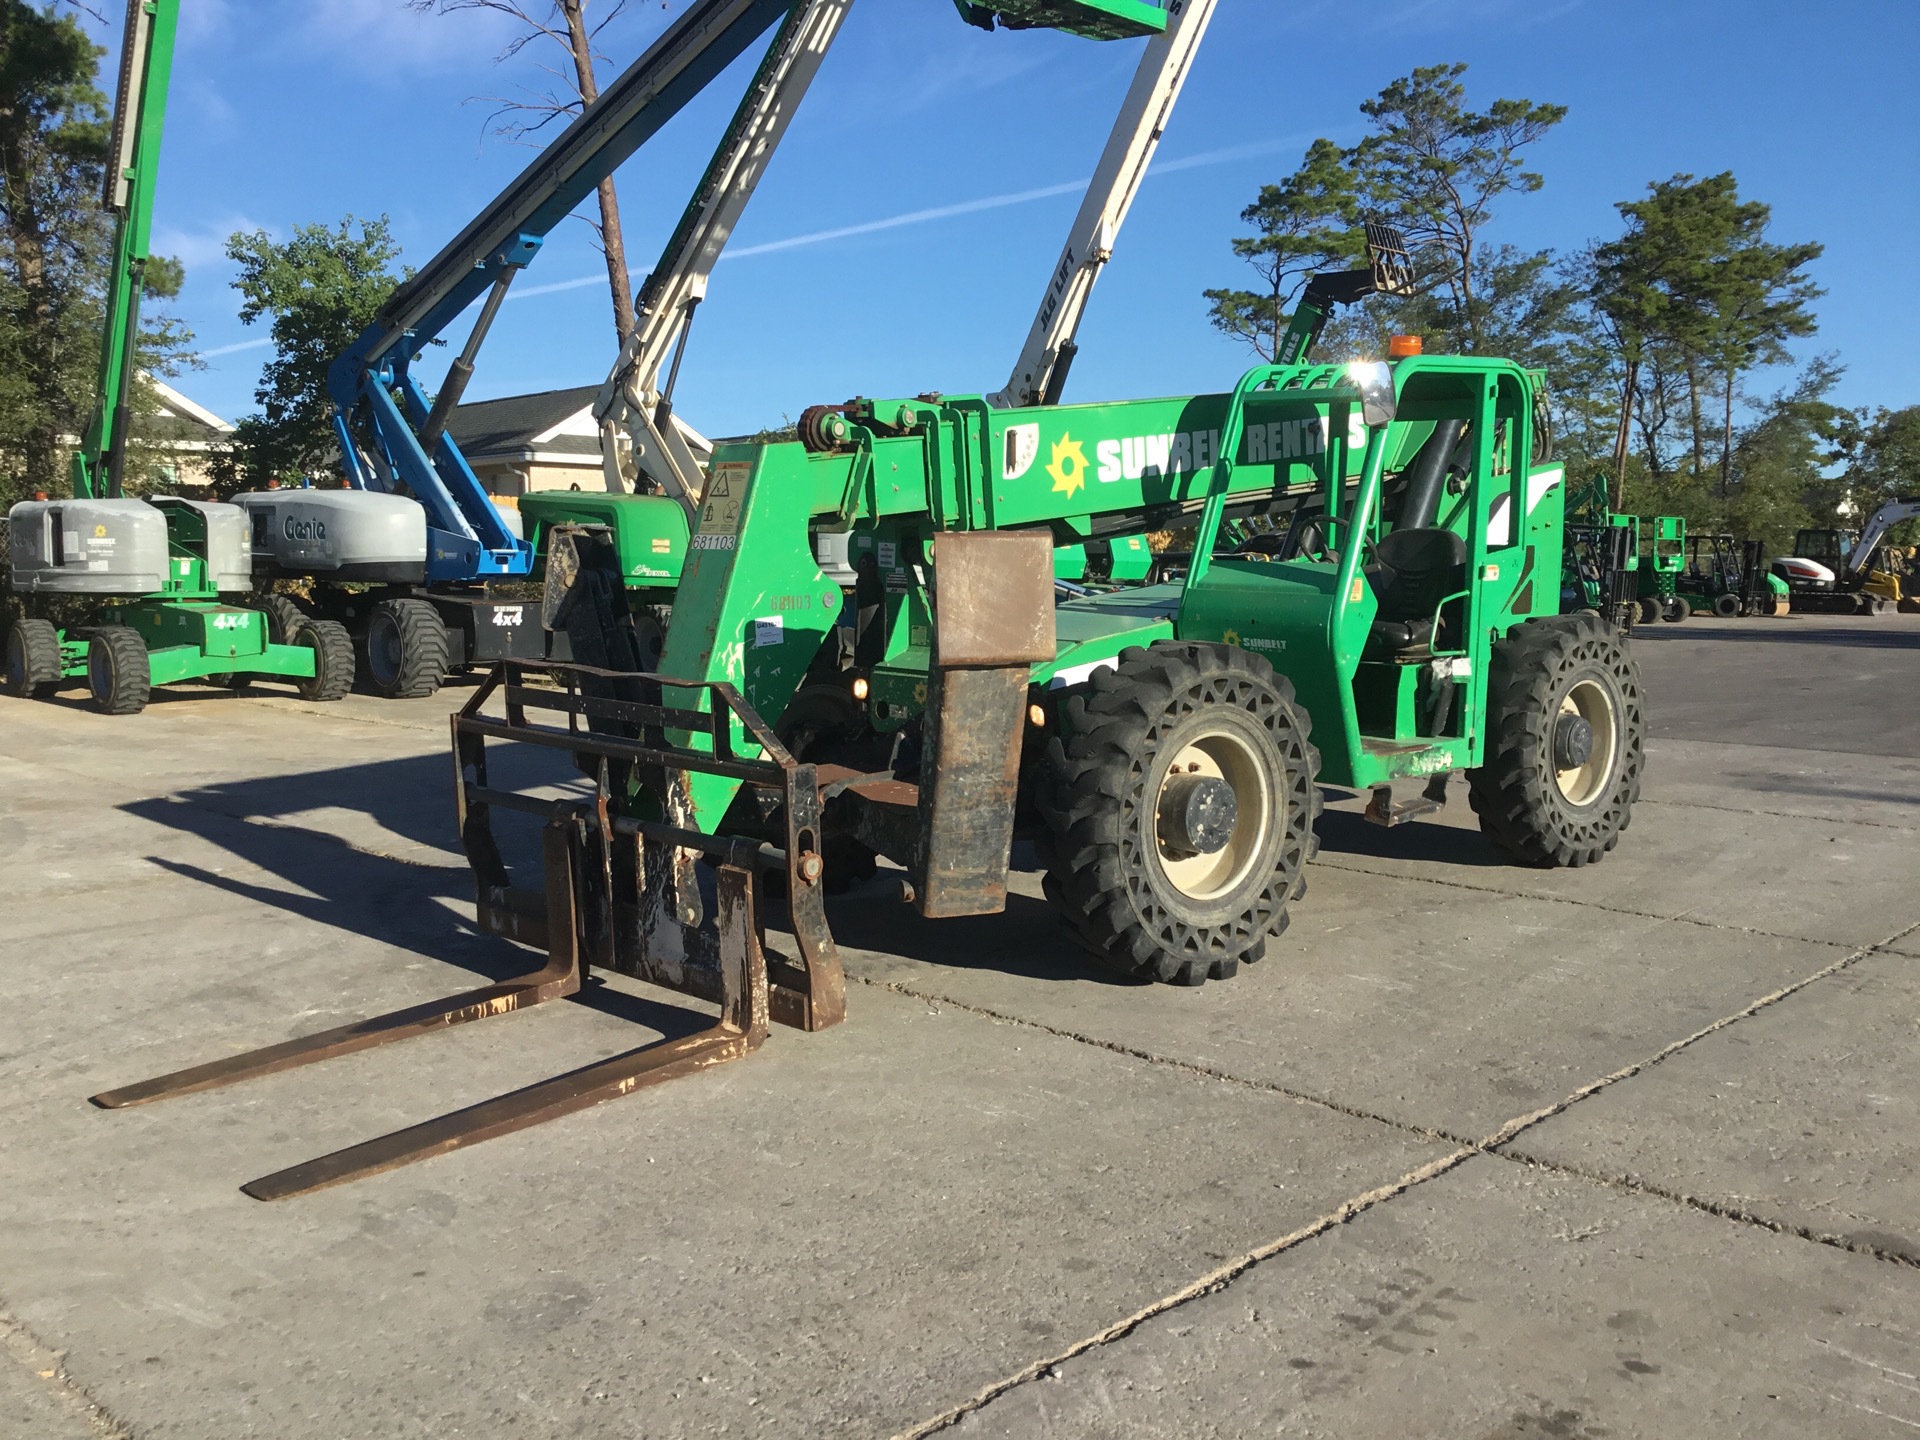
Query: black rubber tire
point(1727, 607)
point(406, 649)
point(1650, 610)
point(33, 659)
point(332, 649)
point(119, 674)
point(1110, 752)
point(285, 615)
point(1676, 609)
point(1515, 792)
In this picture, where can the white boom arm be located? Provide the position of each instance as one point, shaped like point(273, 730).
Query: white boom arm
point(641, 437)
point(1042, 368)
point(1884, 519)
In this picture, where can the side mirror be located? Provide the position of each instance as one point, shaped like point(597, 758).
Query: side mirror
point(1374, 380)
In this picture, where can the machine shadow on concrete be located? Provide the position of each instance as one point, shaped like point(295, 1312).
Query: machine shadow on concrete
point(411, 905)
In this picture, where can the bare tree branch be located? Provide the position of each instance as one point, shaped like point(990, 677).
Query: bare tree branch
point(564, 22)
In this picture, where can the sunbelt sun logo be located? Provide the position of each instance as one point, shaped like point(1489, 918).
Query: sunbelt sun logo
point(1180, 452)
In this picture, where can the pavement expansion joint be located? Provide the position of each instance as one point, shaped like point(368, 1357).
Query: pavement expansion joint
point(1188, 1067)
point(26, 1349)
point(1778, 814)
point(334, 712)
point(1225, 1274)
point(1681, 918)
point(1719, 1209)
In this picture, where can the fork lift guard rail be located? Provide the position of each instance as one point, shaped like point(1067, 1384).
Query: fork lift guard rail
point(617, 894)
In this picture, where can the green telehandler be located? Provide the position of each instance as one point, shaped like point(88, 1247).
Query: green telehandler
point(1162, 745)
point(151, 577)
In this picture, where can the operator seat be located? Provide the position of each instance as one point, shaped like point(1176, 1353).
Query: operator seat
point(1413, 571)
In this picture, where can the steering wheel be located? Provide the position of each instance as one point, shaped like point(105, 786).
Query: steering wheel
point(1314, 541)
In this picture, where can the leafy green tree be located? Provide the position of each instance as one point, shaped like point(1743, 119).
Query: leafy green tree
point(1692, 295)
point(1783, 464)
point(1309, 221)
point(319, 290)
point(1433, 167)
point(1437, 168)
point(55, 249)
point(1884, 464)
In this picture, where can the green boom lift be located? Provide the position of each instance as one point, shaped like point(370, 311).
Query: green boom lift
point(152, 573)
point(1662, 556)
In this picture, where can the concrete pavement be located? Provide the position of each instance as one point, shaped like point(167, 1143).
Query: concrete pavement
point(1476, 1152)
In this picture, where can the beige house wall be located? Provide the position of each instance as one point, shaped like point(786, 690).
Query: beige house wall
point(509, 480)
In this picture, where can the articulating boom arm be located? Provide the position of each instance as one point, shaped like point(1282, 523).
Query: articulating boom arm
point(1884, 519)
point(1040, 374)
point(385, 444)
point(133, 163)
point(1389, 272)
point(638, 428)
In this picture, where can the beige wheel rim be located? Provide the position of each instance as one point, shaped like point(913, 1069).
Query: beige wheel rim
point(1582, 784)
point(1257, 802)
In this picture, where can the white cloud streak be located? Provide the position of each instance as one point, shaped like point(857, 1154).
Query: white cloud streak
point(941, 212)
point(220, 350)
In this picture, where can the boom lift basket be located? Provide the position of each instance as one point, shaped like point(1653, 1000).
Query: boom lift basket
point(619, 892)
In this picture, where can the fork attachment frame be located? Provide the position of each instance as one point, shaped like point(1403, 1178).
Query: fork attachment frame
point(619, 892)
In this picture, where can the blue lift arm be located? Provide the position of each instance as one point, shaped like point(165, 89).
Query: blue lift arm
point(385, 442)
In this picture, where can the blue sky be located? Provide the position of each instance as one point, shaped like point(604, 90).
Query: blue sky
point(842, 283)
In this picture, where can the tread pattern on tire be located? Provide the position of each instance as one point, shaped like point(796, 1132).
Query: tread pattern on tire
point(1514, 791)
point(39, 644)
point(285, 615)
point(424, 657)
point(130, 672)
point(1092, 861)
point(332, 660)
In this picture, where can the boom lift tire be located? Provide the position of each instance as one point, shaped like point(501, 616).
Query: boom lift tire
point(1122, 867)
point(284, 617)
point(332, 649)
point(1566, 742)
point(406, 650)
point(1678, 608)
point(33, 659)
point(119, 674)
point(1650, 610)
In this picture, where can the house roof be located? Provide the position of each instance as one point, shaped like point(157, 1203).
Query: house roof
point(176, 420)
point(553, 423)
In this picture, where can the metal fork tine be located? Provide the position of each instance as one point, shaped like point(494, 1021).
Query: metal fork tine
point(559, 978)
point(741, 1029)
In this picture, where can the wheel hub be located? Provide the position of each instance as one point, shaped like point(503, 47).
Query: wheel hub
point(1585, 742)
point(1214, 808)
point(1197, 814)
point(1572, 742)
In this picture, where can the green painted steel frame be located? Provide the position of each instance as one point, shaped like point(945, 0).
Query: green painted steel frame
point(1313, 619)
point(151, 72)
